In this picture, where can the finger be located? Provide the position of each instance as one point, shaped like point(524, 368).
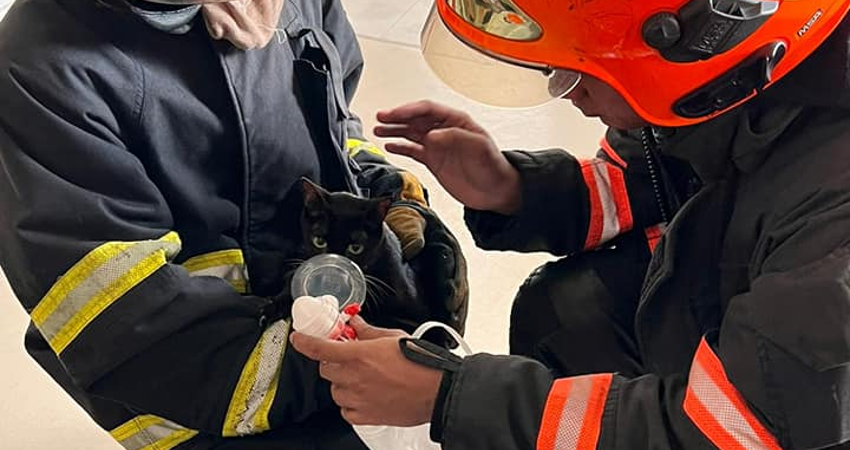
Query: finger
point(415, 151)
point(434, 112)
point(414, 131)
point(347, 398)
point(357, 416)
point(393, 131)
point(445, 138)
point(320, 349)
point(336, 373)
point(367, 332)
point(352, 416)
point(409, 132)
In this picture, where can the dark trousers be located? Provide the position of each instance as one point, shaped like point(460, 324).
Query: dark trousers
point(576, 315)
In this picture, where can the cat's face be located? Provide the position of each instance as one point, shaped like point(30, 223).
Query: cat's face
point(342, 224)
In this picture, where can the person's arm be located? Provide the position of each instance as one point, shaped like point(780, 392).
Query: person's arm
point(773, 376)
point(88, 242)
point(571, 205)
point(528, 201)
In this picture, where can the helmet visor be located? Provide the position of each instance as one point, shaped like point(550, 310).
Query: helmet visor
point(485, 78)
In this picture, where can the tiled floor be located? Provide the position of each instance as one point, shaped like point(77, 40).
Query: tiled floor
point(36, 415)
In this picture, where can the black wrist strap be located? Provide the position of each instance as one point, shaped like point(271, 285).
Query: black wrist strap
point(430, 355)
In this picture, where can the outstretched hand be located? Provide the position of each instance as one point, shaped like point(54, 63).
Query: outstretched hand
point(460, 153)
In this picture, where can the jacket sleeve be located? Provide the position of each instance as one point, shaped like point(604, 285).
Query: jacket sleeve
point(88, 243)
point(570, 205)
point(774, 376)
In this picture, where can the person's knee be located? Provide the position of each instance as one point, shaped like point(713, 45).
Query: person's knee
point(568, 317)
point(557, 295)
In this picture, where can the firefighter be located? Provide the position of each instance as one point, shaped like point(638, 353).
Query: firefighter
point(728, 129)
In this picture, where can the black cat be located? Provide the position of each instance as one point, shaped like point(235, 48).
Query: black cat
point(352, 226)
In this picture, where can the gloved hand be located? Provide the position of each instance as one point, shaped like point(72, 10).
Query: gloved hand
point(405, 221)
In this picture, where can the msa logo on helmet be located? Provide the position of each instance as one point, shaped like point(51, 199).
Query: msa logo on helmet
point(808, 26)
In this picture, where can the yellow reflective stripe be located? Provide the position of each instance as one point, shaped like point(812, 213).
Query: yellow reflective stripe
point(226, 264)
point(171, 441)
point(355, 146)
point(241, 286)
point(253, 396)
point(214, 259)
point(96, 282)
point(134, 426)
point(150, 432)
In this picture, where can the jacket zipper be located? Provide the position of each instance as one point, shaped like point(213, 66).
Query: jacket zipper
point(652, 164)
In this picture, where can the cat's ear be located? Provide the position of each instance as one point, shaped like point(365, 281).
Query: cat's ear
point(313, 193)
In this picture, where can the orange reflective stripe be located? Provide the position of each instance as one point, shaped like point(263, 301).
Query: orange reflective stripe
point(597, 215)
point(606, 147)
point(572, 419)
point(716, 407)
point(621, 199)
point(548, 435)
point(610, 210)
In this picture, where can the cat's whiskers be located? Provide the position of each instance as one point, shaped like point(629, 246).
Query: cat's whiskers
point(378, 288)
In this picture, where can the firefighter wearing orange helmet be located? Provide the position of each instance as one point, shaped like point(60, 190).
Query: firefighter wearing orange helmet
point(703, 302)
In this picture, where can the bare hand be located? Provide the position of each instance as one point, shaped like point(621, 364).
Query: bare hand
point(457, 151)
point(371, 380)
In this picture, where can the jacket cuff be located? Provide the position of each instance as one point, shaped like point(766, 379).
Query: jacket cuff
point(554, 207)
point(494, 402)
point(439, 413)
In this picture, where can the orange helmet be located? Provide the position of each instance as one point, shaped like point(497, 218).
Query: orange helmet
point(676, 62)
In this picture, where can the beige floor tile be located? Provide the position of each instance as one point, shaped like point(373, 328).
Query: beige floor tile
point(407, 29)
point(374, 18)
point(35, 413)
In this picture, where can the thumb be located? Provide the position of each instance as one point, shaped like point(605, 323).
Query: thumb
point(366, 332)
point(321, 349)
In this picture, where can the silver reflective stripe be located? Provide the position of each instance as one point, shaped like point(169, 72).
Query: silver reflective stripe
point(254, 394)
point(229, 272)
point(572, 423)
point(95, 283)
point(228, 265)
point(151, 433)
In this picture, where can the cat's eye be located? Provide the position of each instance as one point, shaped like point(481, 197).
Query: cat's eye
point(355, 249)
point(320, 242)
